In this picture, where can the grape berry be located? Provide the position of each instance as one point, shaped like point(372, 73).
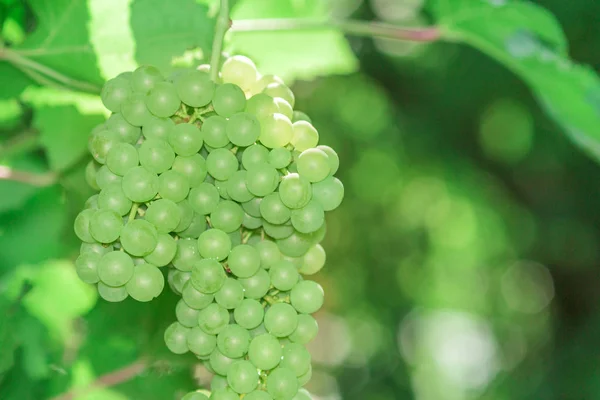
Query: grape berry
point(225, 185)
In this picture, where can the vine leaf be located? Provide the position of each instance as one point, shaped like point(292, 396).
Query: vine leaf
point(61, 40)
point(529, 41)
point(292, 55)
point(166, 29)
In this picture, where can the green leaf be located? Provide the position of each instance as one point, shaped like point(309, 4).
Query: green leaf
point(527, 40)
point(164, 30)
point(14, 194)
point(12, 80)
point(61, 40)
point(64, 134)
point(292, 55)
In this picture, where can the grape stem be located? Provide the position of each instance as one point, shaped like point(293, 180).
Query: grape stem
point(351, 27)
point(41, 73)
point(133, 212)
point(222, 26)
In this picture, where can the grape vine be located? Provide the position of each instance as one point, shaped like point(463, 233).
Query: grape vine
point(224, 185)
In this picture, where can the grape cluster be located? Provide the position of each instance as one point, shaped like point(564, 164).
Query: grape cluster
point(225, 185)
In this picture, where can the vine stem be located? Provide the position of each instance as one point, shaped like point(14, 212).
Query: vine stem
point(352, 27)
point(40, 180)
point(24, 62)
point(222, 26)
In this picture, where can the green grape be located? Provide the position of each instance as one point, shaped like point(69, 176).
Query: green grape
point(295, 190)
point(92, 202)
point(255, 156)
point(176, 338)
point(221, 164)
point(140, 185)
point(243, 129)
point(300, 116)
point(100, 143)
point(195, 298)
point(277, 89)
point(192, 167)
point(276, 131)
point(305, 136)
point(113, 198)
point(195, 396)
point(281, 319)
point(261, 105)
point(187, 254)
point(313, 261)
point(284, 275)
point(307, 297)
point(249, 314)
point(228, 100)
point(187, 215)
point(280, 157)
point(195, 228)
point(328, 193)
point(227, 216)
point(164, 252)
point(121, 158)
point(214, 244)
point(134, 110)
point(139, 238)
point(313, 164)
point(262, 180)
point(296, 358)
point(91, 169)
point(145, 78)
point(319, 235)
point(230, 295)
point(82, 226)
point(218, 381)
point(240, 71)
point(112, 294)
point(156, 156)
point(273, 210)
point(304, 379)
point(195, 88)
point(302, 395)
point(200, 342)
point(242, 377)
point(222, 189)
point(233, 341)
point(177, 279)
point(105, 177)
point(214, 131)
point(281, 231)
point(164, 215)
point(264, 81)
point(213, 319)
point(186, 315)
point(269, 253)
point(265, 352)
point(186, 139)
point(250, 222)
point(295, 245)
point(208, 276)
point(283, 107)
point(259, 330)
point(309, 218)
point(220, 363)
point(252, 207)
point(127, 132)
point(236, 187)
point(97, 248)
point(115, 268)
point(332, 158)
point(256, 286)
point(162, 100)
point(282, 383)
point(86, 266)
point(173, 186)
point(297, 261)
point(114, 92)
point(204, 198)
point(224, 394)
point(105, 226)
point(157, 128)
point(244, 261)
point(146, 284)
point(258, 395)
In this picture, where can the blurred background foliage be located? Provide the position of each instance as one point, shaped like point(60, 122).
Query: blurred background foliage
point(463, 263)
